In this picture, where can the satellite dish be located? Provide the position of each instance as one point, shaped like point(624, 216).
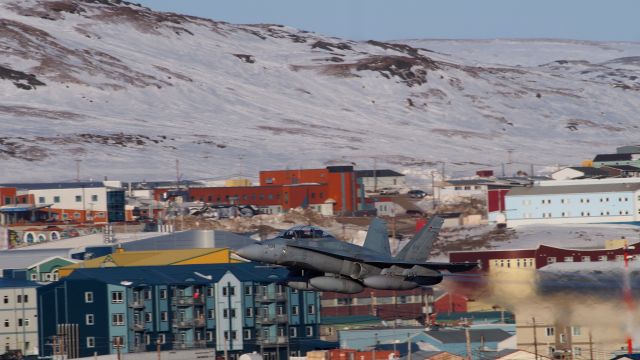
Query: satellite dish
point(126, 283)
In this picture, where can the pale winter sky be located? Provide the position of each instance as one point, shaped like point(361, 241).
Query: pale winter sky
point(451, 19)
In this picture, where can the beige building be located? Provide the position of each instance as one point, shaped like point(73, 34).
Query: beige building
point(18, 316)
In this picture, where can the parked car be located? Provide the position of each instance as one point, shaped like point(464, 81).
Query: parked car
point(416, 194)
point(389, 191)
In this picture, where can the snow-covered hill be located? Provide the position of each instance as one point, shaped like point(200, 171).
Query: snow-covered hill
point(128, 90)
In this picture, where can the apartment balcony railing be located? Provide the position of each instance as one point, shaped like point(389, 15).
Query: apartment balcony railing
point(197, 344)
point(273, 340)
point(186, 301)
point(270, 296)
point(183, 323)
point(199, 323)
point(138, 327)
point(272, 319)
point(136, 304)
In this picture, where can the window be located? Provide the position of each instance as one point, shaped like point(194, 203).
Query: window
point(563, 338)
point(311, 309)
point(25, 298)
point(147, 317)
point(41, 200)
point(211, 314)
point(309, 331)
point(91, 342)
point(233, 313)
point(117, 319)
point(19, 299)
point(602, 258)
point(162, 338)
point(56, 199)
point(88, 297)
point(118, 342)
point(76, 215)
point(248, 290)
point(586, 258)
point(116, 297)
point(248, 312)
point(568, 258)
point(551, 260)
point(164, 316)
point(94, 198)
point(294, 310)
point(293, 332)
point(163, 293)
point(225, 313)
point(233, 335)
point(89, 319)
point(147, 339)
point(209, 335)
point(20, 322)
point(246, 334)
point(6, 322)
point(619, 257)
point(26, 322)
point(576, 330)
point(210, 291)
point(231, 290)
point(6, 299)
point(577, 351)
point(78, 198)
point(551, 331)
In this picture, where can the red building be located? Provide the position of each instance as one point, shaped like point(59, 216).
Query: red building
point(288, 189)
point(537, 258)
point(385, 304)
point(7, 195)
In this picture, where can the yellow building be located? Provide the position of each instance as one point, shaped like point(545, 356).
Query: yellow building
point(154, 258)
point(237, 182)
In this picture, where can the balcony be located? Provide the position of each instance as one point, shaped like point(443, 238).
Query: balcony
point(199, 323)
point(136, 305)
point(272, 319)
point(186, 301)
point(273, 340)
point(183, 323)
point(138, 348)
point(197, 344)
point(137, 327)
point(270, 297)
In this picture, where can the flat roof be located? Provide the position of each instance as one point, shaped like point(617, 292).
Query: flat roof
point(573, 189)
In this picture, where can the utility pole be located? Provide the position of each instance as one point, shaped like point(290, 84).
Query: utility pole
point(78, 170)
point(408, 346)
point(468, 339)
point(433, 189)
point(374, 345)
point(158, 348)
point(590, 346)
point(535, 338)
point(118, 347)
point(375, 176)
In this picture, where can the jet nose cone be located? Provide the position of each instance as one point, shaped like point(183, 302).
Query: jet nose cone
point(253, 252)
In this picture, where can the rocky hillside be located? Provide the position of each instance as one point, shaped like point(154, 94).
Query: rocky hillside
point(128, 90)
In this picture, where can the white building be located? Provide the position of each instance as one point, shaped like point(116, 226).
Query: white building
point(578, 172)
point(374, 180)
point(18, 316)
point(455, 190)
point(588, 201)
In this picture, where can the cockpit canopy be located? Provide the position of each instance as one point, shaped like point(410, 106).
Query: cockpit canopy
point(304, 232)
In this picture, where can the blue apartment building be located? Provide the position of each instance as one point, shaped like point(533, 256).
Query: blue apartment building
point(237, 308)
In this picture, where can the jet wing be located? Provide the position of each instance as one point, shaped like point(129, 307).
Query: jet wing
point(361, 254)
point(450, 267)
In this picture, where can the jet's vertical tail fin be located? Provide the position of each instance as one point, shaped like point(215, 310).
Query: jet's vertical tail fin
point(419, 248)
point(378, 237)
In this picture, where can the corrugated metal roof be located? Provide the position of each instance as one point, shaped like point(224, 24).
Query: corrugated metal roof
point(22, 259)
point(180, 274)
point(590, 171)
point(378, 173)
point(146, 258)
point(572, 189)
point(189, 240)
point(61, 185)
point(477, 335)
point(11, 283)
point(612, 157)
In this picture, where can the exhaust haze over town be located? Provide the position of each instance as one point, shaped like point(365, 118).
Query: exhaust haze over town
point(270, 180)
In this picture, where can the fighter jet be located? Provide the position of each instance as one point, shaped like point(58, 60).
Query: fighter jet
point(318, 261)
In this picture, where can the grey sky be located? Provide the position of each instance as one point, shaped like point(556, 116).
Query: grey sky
point(402, 19)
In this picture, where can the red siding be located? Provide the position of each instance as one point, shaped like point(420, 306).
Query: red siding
point(495, 199)
point(289, 177)
point(449, 303)
point(7, 193)
point(285, 196)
